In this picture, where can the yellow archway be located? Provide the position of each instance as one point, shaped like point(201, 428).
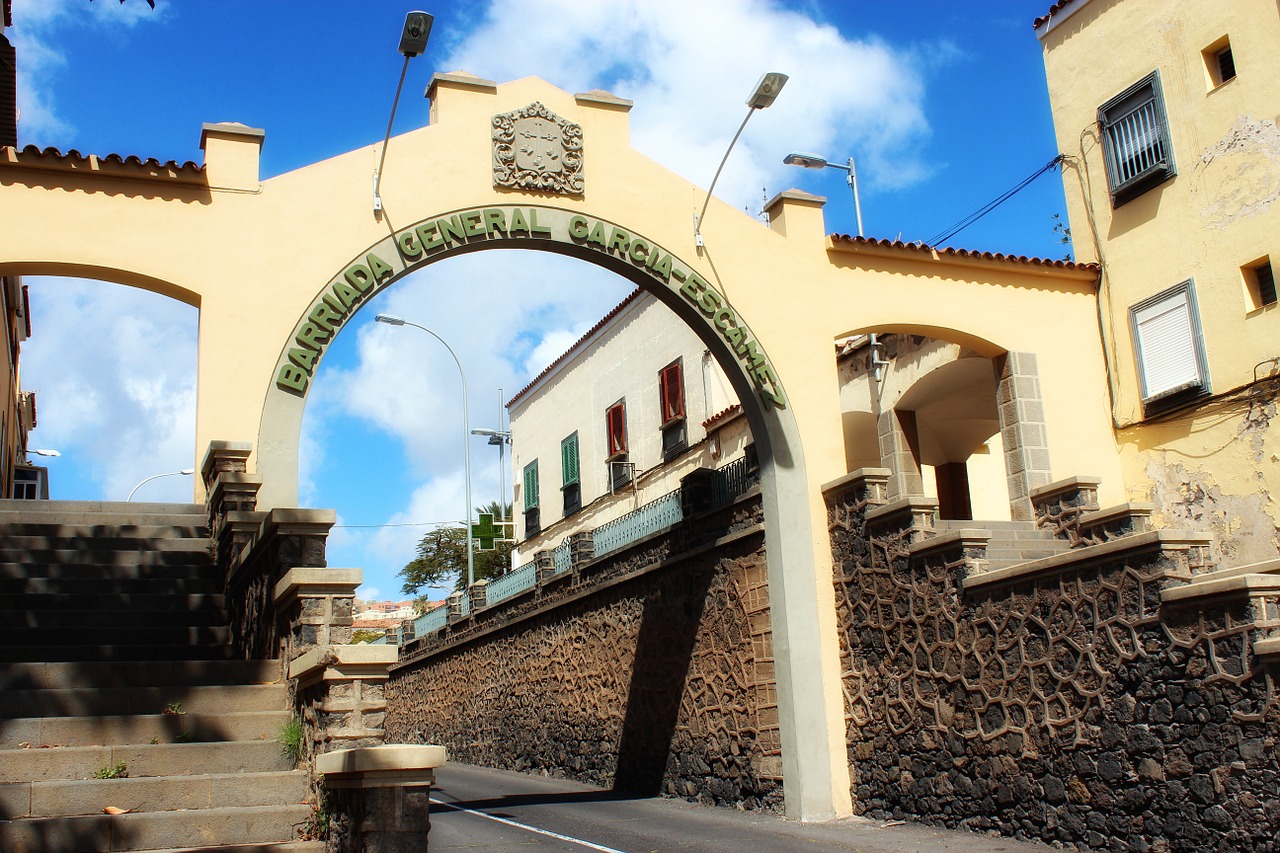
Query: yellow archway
point(263, 260)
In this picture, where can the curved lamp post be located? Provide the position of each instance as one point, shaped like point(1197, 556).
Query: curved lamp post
point(186, 472)
point(813, 161)
point(392, 320)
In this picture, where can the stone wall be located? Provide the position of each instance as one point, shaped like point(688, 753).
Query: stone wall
point(649, 671)
point(1073, 706)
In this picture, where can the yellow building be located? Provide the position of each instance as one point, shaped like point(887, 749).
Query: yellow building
point(1166, 113)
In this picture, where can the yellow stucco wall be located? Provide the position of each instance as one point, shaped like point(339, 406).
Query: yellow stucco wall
point(254, 257)
point(1211, 465)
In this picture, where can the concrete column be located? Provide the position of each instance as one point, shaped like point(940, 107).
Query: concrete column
point(1022, 429)
point(897, 433)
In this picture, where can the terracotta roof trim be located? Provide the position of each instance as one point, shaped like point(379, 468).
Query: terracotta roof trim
point(723, 415)
point(131, 166)
point(968, 254)
point(592, 332)
point(1052, 17)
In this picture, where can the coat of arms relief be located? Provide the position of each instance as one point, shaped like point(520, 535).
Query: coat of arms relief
point(535, 149)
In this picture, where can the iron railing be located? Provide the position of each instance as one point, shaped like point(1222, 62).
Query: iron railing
point(512, 583)
point(732, 482)
point(432, 620)
point(637, 524)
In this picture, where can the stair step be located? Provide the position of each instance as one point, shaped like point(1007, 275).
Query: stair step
point(282, 847)
point(175, 673)
point(153, 830)
point(162, 759)
point(103, 653)
point(146, 602)
point(153, 528)
point(154, 793)
point(22, 549)
point(110, 586)
point(122, 635)
point(96, 701)
point(97, 509)
point(133, 570)
point(40, 732)
point(47, 619)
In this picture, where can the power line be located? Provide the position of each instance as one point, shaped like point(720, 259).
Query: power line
point(994, 203)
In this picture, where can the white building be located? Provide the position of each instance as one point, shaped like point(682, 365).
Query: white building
point(616, 422)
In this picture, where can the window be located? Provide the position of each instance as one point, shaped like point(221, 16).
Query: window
point(571, 486)
point(1219, 63)
point(671, 389)
point(1169, 348)
point(1260, 284)
point(531, 518)
point(671, 393)
point(616, 428)
point(615, 420)
point(1135, 139)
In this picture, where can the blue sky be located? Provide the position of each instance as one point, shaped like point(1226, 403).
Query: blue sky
point(943, 104)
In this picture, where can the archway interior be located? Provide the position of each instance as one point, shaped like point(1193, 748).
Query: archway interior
point(382, 438)
point(114, 368)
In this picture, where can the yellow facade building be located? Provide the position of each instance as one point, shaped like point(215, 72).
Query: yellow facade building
point(1166, 113)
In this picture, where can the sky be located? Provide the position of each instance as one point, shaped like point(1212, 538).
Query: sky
point(942, 104)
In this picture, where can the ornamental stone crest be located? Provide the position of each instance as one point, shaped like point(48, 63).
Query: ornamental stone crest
point(535, 149)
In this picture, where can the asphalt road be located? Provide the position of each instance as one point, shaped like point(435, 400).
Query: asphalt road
point(475, 808)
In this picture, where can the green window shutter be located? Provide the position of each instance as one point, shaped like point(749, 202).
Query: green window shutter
point(569, 460)
point(531, 485)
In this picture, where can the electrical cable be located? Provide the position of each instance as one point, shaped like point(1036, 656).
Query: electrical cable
point(994, 203)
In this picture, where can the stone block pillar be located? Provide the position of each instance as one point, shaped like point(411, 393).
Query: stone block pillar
point(1022, 429)
point(380, 796)
point(479, 592)
point(315, 606)
point(898, 453)
point(340, 695)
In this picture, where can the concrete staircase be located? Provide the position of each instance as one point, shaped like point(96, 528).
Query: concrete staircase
point(1011, 542)
point(114, 661)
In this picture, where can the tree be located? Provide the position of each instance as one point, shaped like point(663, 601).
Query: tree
point(442, 557)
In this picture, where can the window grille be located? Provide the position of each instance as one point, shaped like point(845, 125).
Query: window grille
point(1135, 138)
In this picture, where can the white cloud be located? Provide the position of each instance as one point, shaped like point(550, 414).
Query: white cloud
point(35, 37)
point(104, 398)
point(689, 67)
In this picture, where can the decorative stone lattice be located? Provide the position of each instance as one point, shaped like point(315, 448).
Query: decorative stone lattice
point(535, 149)
point(663, 682)
point(1073, 707)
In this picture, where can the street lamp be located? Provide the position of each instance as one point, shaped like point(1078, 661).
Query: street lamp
point(392, 320)
point(185, 472)
point(40, 451)
point(413, 42)
point(501, 438)
point(765, 93)
point(813, 161)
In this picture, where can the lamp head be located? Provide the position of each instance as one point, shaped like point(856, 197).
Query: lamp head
point(389, 319)
point(767, 90)
point(41, 451)
point(417, 27)
point(808, 161)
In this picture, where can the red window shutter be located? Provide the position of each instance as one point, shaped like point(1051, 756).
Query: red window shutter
point(671, 383)
point(616, 424)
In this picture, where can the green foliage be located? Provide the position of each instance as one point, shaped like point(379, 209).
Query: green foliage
point(186, 736)
point(173, 708)
point(364, 635)
point(442, 557)
point(316, 826)
point(290, 739)
point(1063, 231)
point(112, 771)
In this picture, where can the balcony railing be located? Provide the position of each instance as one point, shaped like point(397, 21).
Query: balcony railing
point(513, 583)
point(637, 524)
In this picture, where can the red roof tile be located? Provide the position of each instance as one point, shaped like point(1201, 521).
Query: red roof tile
point(722, 415)
point(945, 251)
point(1053, 10)
point(73, 160)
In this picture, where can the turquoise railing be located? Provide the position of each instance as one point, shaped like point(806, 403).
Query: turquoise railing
point(432, 620)
point(730, 483)
point(637, 524)
point(512, 583)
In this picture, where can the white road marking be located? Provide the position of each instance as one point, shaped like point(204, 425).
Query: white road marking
point(528, 828)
